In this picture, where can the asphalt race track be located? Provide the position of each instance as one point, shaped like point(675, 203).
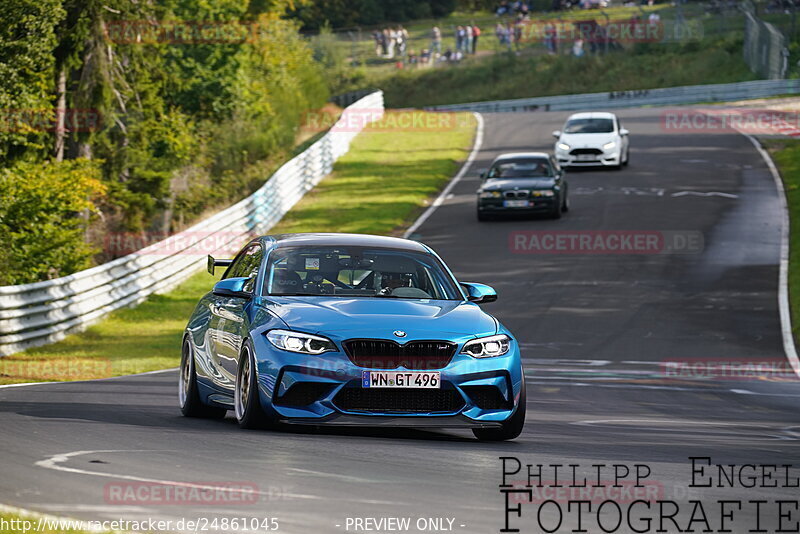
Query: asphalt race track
point(596, 331)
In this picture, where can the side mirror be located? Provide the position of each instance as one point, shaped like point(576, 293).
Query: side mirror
point(557, 134)
point(214, 262)
point(232, 287)
point(482, 173)
point(479, 293)
point(623, 131)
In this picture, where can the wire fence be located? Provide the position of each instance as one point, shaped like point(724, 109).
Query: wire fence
point(765, 46)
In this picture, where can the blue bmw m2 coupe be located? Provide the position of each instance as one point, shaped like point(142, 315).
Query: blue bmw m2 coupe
point(345, 329)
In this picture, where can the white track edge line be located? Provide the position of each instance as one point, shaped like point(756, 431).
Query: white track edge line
point(476, 147)
point(783, 276)
point(6, 386)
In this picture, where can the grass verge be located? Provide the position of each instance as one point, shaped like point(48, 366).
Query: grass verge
point(786, 155)
point(380, 186)
point(505, 76)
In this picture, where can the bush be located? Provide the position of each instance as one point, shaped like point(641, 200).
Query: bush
point(44, 209)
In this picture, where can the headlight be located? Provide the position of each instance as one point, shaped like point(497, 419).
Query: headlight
point(544, 193)
point(563, 146)
point(487, 347)
point(609, 145)
point(298, 342)
point(490, 194)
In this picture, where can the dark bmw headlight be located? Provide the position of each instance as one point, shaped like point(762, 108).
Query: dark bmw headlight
point(299, 342)
point(490, 194)
point(487, 347)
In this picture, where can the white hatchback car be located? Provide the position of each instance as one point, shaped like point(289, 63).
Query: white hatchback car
point(591, 139)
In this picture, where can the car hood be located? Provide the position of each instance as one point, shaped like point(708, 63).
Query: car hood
point(380, 317)
point(594, 140)
point(518, 183)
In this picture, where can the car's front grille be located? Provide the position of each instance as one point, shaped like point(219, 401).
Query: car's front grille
point(487, 397)
point(520, 193)
point(303, 394)
point(392, 400)
point(388, 354)
point(581, 151)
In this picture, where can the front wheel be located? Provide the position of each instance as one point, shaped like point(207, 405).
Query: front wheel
point(556, 212)
point(512, 427)
point(188, 397)
point(247, 404)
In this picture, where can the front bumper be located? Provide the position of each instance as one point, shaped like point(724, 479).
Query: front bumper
point(535, 205)
point(327, 389)
point(606, 159)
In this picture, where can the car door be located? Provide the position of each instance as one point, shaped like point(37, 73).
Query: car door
point(229, 317)
point(623, 139)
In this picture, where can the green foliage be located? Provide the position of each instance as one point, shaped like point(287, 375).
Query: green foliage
point(314, 14)
point(27, 39)
point(43, 214)
point(184, 127)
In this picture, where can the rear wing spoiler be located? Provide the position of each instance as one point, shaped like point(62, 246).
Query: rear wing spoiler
point(213, 262)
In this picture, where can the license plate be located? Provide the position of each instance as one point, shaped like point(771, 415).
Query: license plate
point(401, 379)
point(515, 203)
point(586, 157)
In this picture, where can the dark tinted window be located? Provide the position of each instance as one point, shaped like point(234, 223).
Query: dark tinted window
point(521, 168)
point(246, 265)
point(358, 272)
point(579, 126)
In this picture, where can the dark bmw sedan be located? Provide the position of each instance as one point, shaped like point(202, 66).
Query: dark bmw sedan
point(523, 183)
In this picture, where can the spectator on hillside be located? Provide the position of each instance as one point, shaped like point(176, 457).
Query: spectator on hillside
point(550, 38)
point(577, 48)
point(467, 39)
point(476, 32)
point(460, 36)
point(436, 40)
point(385, 42)
point(402, 40)
point(378, 37)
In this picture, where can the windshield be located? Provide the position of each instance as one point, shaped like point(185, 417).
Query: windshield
point(521, 168)
point(584, 126)
point(358, 272)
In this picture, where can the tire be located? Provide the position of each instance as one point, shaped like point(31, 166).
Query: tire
point(249, 413)
point(627, 157)
point(188, 396)
point(512, 427)
point(482, 217)
point(565, 206)
point(556, 213)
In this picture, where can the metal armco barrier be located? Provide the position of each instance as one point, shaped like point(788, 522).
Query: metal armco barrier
point(690, 94)
point(43, 312)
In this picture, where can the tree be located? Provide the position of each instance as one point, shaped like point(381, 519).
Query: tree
point(27, 39)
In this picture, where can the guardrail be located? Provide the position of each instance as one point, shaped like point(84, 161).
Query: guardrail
point(691, 94)
point(43, 312)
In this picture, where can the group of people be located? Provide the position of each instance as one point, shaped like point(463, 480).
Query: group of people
point(390, 42)
point(466, 39)
point(512, 8)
